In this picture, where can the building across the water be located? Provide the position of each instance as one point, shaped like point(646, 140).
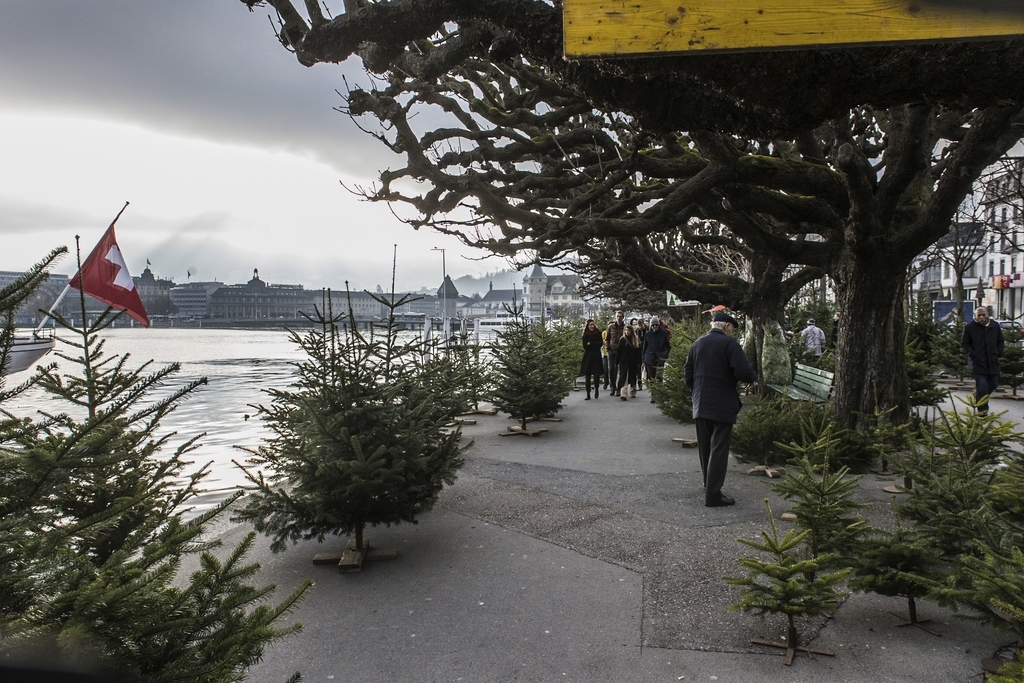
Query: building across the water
point(258, 300)
point(193, 298)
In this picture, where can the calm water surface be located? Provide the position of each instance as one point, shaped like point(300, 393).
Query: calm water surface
point(239, 364)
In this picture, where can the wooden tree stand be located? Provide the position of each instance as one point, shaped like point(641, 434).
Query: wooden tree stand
point(523, 430)
point(482, 411)
point(685, 443)
point(912, 620)
point(351, 560)
point(882, 471)
point(533, 418)
point(791, 646)
point(908, 484)
point(460, 421)
point(768, 471)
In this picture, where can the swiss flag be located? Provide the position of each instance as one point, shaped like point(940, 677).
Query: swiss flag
point(105, 277)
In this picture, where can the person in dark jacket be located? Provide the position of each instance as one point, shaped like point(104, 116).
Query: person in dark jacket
point(627, 354)
point(641, 332)
point(593, 365)
point(612, 335)
point(715, 364)
point(655, 351)
point(983, 342)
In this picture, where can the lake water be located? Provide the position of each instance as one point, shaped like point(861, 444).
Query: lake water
point(239, 364)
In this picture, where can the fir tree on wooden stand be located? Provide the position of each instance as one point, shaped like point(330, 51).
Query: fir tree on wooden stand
point(787, 583)
point(358, 440)
point(528, 382)
point(95, 527)
point(893, 564)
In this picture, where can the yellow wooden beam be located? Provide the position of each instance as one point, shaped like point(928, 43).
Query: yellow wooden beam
point(606, 28)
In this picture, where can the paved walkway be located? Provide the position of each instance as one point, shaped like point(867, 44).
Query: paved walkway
point(585, 554)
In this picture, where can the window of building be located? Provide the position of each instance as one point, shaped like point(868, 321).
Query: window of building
point(991, 268)
point(1002, 266)
point(949, 271)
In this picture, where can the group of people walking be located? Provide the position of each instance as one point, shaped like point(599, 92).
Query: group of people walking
point(622, 355)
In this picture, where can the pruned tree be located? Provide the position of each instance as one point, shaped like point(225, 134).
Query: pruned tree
point(515, 149)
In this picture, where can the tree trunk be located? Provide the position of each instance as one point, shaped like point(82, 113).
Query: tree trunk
point(871, 367)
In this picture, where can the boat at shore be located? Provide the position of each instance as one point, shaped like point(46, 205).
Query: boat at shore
point(26, 350)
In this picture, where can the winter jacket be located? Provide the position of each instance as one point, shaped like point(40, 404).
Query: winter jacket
point(656, 346)
point(592, 362)
point(614, 333)
point(627, 355)
point(715, 364)
point(984, 346)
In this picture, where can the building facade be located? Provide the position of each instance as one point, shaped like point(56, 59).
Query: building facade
point(986, 252)
point(258, 300)
point(555, 296)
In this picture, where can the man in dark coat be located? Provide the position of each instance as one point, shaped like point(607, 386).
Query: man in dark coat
point(655, 351)
point(715, 364)
point(612, 336)
point(983, 342)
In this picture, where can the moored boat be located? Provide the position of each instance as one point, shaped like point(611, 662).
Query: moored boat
point(26, 350)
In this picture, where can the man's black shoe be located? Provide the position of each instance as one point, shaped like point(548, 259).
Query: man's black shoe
point(720, 502)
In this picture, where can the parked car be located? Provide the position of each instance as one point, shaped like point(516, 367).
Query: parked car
point(1008, 325)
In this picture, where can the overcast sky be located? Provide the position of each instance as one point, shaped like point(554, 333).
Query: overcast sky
point(228, 150)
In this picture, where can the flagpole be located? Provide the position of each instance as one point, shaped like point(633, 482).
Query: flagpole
point(49, 313)
point(67, 287)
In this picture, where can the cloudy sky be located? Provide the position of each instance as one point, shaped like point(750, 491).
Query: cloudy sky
point(230, 153)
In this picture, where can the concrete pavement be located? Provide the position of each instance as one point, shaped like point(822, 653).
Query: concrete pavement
point(585, 554)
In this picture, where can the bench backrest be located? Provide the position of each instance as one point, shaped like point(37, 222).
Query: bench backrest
point(813, 381)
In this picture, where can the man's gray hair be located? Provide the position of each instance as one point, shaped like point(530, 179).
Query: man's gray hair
point(720, 324)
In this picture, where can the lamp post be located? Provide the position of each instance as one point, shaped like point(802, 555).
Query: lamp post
point(444, 295)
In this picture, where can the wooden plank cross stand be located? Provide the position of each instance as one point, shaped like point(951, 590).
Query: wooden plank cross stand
point(351, 560)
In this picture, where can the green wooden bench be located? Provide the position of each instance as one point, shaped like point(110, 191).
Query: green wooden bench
point(809, 384)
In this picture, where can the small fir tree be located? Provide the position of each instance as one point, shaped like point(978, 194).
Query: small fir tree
point(951, 499)
point(947, 353)
point(358, 439)
point(527, 377)
point(893, 564)
point(921, 384)
point(671, 395)
point(990, 583)
point(475, 377)
point(762, 432)
point(1011, 363)
point(94, 530)
point(563, 337)
point(822, 504)
point(789, 582)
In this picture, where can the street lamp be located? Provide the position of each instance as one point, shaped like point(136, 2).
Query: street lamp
point(444, 294)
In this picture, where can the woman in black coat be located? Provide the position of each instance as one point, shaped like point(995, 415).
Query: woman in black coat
point(627, 355)
point(592, 365)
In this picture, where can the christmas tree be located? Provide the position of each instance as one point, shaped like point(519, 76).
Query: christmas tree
point(789, 583)
point(358, 439)
point(823, 504)
point(528, 380)
point(95, 528)
point(893, 564)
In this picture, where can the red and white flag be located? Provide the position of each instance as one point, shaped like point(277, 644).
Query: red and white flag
point(105, 277)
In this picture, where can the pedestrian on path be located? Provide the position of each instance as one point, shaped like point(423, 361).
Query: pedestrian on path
point(983, 342)
point(592, 365)
point(627, 353)
point(641, 332)
point(715, 364)
point(655, 351)
point(614, 333)
point(813, 337)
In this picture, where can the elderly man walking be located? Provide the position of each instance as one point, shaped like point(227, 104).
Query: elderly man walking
point(983, 342)
point(813, 337)
point(715, 364)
